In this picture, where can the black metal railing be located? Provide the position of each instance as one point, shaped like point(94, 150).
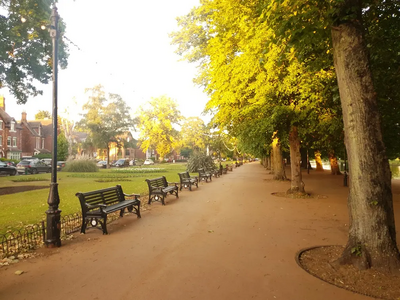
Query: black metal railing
point(31, 237)
point(22, 240)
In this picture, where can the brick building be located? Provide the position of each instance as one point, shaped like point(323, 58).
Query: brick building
point(10, 134)
point(36, 137)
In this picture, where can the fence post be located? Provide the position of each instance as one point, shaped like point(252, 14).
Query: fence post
point(43, 232)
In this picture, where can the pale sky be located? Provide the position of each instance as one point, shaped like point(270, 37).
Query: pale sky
point(124, 46)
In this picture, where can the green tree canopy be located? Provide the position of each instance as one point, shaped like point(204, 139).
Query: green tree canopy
point(193, 133)
point(62, 147)
point(42, 114)
point(25, 48)
point(105, 118)
point(156, 120)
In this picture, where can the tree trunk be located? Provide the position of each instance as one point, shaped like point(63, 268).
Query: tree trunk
point(372, 234)
point(297, 185)
point(108, 157)
point(278, 167)
point(334, 164)
point(269, 162)
point(271, 155)
point(304, 161)
point(318, 161)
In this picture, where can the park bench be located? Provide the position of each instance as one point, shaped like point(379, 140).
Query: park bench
point(159, 189)
point(96, 205)
point(224, 170)
point(187, 181)
point(204, 175)
point(229, 167)
point(214, 172)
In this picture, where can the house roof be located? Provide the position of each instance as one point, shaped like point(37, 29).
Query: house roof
point(47, 130)
point(47, 126)
point(30, 128)
point(6, 117)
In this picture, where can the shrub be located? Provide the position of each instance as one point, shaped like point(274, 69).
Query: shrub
point(28, 179)
point(200, 161)
point(138, 170)
point(81, 166)
point(15, 161)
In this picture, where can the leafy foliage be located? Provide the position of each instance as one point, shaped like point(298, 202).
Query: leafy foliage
point(193, 133)
point(81, 165)
point(43, 114)
point(105, 118)
point(62, 147)
point(25, 48)
point(200, 161)
point(156, 122)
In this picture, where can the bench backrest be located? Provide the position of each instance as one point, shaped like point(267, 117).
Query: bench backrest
point(106, 196)
point(201, 171)
point(159, 182)
point(184, 175)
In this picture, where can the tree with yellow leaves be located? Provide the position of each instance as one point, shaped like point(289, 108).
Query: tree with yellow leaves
point(156, 125)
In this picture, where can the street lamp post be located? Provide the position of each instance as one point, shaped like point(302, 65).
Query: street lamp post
point(53, 213)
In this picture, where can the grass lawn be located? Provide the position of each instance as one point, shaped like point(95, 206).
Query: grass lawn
point(24, 208)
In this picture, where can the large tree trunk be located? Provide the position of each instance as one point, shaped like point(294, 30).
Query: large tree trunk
point(268, 166)
point(334, 164)
point(318, 161)
point(372, 234)
point(297, 185)
point(271, 155)
point(278, 167)
point(304, 160)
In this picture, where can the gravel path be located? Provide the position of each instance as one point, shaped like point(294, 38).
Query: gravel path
point(229, 239)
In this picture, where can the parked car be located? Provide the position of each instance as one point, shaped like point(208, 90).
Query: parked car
point(9, 163)
point(47, 161)
point(148, 162)
point(6, 169)
point(120, 163)
point(32, 167)
point(60, 165)
point(102, 164)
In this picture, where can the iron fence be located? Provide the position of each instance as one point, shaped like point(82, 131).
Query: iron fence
point(31, 237)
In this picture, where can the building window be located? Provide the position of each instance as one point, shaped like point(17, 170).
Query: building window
point(1, 124)
point(14, 155)
point(42, 143)
point(1, 141)
point(37, 143)
point(14, 142)
point(9, 141)
point(12, 126)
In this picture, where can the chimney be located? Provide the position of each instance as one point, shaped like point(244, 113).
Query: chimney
point(3, 102)
point(23, 118)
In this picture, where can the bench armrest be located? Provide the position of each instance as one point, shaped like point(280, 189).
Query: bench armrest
point(173, 183)
point(137, 196)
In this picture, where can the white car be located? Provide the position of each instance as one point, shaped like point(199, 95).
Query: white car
point(148, 162)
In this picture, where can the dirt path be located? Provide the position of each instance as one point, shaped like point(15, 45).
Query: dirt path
point(230, 239)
